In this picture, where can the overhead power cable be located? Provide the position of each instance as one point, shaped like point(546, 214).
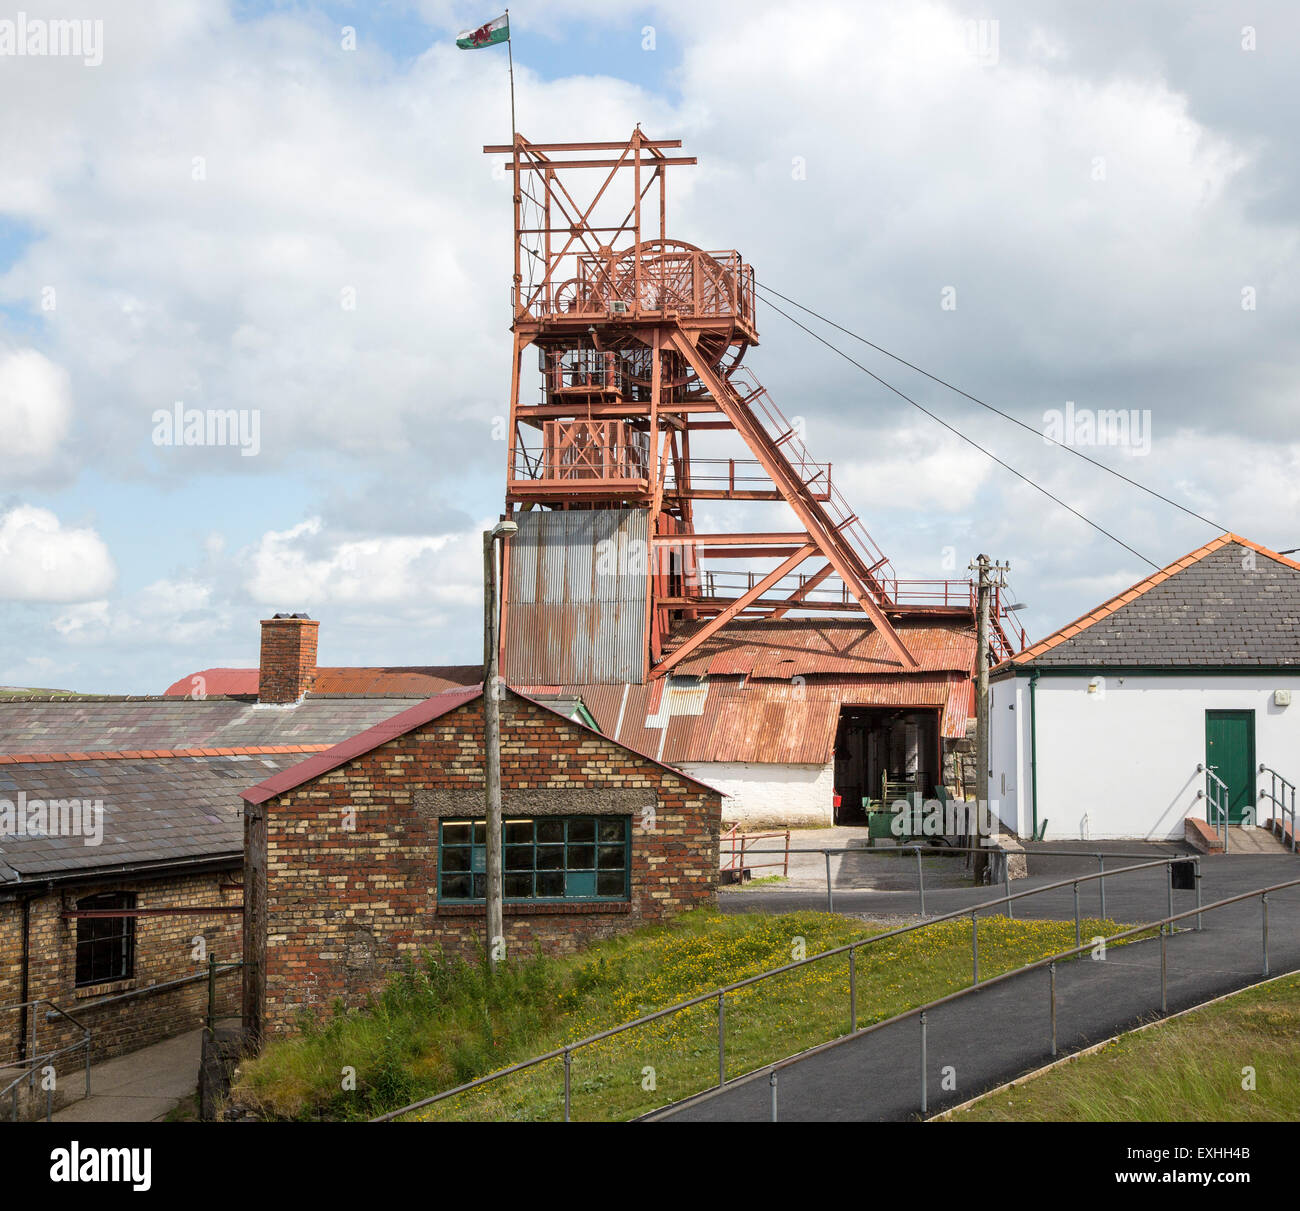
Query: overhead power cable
point(1015, 420)
point(969, 440)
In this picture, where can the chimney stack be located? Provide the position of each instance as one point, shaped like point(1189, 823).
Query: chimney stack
point(287, 668)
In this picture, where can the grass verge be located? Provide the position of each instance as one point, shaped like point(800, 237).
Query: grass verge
point(444, 1022)
point(1191, 1069)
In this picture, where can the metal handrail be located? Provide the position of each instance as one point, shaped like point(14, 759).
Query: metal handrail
point(1164, 924)
point(738, 856)
point(1215, 795)
point(38, 1061)
point(719, 994)
point(994, 852)
point(1283, 802)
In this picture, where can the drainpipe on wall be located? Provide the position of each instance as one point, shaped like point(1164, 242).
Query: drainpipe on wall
point(1033, 747)
point(25, 978)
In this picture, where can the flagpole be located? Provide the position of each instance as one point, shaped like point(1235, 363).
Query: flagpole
point(514, 160)
point(511, 57)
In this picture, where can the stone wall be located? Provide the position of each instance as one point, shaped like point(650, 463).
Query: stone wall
point(959, 763)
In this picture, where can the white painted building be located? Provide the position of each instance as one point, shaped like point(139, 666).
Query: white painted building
point(1098, 730)
point(757, 794)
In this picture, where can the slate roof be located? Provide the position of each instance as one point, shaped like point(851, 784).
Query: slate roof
point(155, 810)
point(156, 724)
point(1230, 603)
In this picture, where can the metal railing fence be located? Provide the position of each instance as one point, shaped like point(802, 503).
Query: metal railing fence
point(1000, 859)
point(1165, 925)
point(733, 851)
point(34, 1064)
point(719, 995)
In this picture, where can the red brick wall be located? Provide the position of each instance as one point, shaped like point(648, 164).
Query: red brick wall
point(346, 906)
point(287, 667)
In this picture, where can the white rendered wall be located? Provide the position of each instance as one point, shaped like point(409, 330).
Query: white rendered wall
point(1120, 763)
point(1005, 739)
point(760, 794)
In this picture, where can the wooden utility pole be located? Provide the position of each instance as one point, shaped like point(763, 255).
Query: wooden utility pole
point(981, 707)
point(983, 600)
point(492, 739)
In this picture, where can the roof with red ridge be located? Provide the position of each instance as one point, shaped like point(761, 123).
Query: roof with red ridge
point(399, 725)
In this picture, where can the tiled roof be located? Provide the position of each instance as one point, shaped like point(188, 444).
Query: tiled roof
point(155, 810)
point(1230, 603)
point(362, 742)
point(414, 681)
point(108, 755)
point(160, 724)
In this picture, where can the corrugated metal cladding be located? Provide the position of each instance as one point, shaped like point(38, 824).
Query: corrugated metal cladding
point(763, 722)
point(576, 597)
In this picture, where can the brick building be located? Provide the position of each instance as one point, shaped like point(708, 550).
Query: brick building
point(795, 720)
point(121, 842)
point(367, 854)
point(119, 875)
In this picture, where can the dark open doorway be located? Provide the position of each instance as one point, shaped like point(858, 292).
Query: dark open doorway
point(878, 743)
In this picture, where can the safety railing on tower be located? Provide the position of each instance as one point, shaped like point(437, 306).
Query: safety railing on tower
point(657, 278)
point(786, 437)
point(734, 475)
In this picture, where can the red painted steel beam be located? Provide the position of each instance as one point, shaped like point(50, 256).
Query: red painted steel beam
point(710, 628)
point(733, 540)
point(745, 552)
point(802, 591)
point(831, 543)
point(504, 149)
point(551, 165)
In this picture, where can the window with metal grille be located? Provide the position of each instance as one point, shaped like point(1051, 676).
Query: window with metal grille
point(547, 858)
point(105, 945)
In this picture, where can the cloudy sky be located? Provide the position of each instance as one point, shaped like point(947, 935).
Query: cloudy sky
point(284, 210)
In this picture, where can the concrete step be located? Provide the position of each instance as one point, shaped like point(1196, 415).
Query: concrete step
point(1254, 841)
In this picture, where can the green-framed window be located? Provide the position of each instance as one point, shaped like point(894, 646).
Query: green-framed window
point(544, 858)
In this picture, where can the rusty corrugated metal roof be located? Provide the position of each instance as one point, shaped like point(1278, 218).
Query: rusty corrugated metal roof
point(764, 722)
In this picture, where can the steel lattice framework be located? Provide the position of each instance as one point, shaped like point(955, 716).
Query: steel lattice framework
point(640, 341)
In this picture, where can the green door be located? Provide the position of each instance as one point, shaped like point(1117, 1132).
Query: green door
point(1230, 753)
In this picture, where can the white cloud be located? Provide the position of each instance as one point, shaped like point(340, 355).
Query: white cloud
point(41, 560)
point(305, 568)
point(35, 410)
point(915, 469)
point(323, 170)
point(165, 613)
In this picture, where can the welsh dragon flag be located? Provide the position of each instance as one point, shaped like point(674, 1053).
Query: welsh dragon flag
point(486, 35)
